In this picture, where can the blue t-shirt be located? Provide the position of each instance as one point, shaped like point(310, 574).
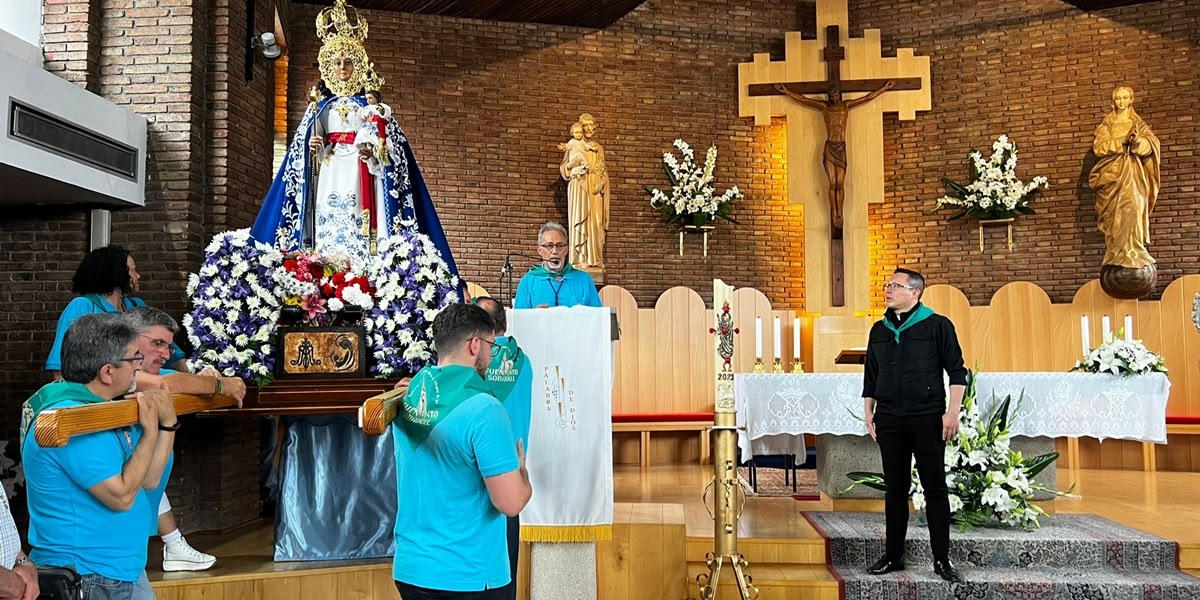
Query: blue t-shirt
point(576, 288)
point(68, 526)
point(449, 536)
point(83, 305)
point(520, 399)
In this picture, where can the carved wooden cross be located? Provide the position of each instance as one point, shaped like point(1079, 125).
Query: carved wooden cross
point(819, 176)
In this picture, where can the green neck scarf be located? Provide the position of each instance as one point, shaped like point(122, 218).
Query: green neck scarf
point(51, 394)
point(920, 313)
point(542, 270)
point(506, 368)
point(433, 394)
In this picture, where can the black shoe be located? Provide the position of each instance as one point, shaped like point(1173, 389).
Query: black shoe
point(884, 566)
point(946, 571)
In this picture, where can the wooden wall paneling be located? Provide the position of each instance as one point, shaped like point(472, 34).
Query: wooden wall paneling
point(353, 586)
point(283, 588)
point(213, 591)
point(1181, 347)
point(383, 586)
point(252, 590)
point(1021, 325)
point(319, 587)
point(951, 303)
point(749, 303)
point(650, 392)
point(674, 348)
point(625, 367)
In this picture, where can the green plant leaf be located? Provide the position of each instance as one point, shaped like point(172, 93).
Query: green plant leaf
point(1025, 210)
point(1037, 464)
point(958, 189)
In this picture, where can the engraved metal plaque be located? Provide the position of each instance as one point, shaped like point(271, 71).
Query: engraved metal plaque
point(321, 352)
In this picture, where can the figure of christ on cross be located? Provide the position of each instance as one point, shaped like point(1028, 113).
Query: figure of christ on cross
point(835, 111)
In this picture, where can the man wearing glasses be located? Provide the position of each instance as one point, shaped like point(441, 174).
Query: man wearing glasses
point(458, 472)
point(555, 282)
point(156, 332)
point(89, 507)
point(904, 403)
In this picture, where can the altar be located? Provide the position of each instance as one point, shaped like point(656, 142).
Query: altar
point(775, 410)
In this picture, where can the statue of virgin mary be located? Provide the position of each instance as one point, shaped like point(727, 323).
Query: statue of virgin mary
point(349, 179)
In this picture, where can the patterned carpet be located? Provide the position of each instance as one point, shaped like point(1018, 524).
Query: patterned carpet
point(772, 483)
point(1075, 557)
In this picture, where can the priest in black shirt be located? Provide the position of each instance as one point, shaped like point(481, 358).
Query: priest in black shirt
point(904, 402)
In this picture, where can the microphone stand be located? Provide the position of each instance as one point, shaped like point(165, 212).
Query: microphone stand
point(506, 274)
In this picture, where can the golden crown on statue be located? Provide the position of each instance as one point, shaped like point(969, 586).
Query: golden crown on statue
point(343, 33)
point(334, 22)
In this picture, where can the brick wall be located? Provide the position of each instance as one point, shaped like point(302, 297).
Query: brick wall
point(485, 103)
point(1042, 72)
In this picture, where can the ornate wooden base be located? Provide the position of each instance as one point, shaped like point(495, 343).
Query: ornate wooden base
point(1125, 283)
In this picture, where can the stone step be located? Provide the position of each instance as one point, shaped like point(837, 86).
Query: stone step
point(1064, 541)
point(1041, 583)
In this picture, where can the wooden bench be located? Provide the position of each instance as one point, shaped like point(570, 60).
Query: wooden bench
point(1176, 425)
point(646, 423)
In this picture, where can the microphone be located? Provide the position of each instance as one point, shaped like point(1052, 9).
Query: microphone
point(506, 268)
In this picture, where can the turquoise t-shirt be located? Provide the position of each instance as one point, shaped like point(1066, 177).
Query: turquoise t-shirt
point(68, 526)
point(449, 536)
point(520, 398)
point(576, 288)
point(82, 305)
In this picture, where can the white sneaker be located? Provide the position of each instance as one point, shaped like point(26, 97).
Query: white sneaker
point(182, 557)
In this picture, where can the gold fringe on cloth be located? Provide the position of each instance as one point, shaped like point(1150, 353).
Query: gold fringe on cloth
point(566, 534)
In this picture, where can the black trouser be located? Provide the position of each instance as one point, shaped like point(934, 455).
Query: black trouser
point(514, 549)
point(412, 592)
point(901, 438)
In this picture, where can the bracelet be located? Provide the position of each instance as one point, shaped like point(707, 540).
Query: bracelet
point(174, 427)
point(21, 560)
point(218, 387)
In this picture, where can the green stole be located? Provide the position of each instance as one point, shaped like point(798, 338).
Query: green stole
point(432, 395)
point(921, 313)
point(506, 367)
point(542, 270)
point(53, 393)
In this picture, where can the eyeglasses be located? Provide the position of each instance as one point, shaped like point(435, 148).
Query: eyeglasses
point(134, 360)
point(157, 343)
point(554, 246)
point(495, 348)
point(887, 287)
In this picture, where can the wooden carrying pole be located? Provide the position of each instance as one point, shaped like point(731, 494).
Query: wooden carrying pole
point(379, 411)
point(55, 427)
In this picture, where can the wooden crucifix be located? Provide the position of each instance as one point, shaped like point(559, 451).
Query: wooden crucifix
point(849, 165)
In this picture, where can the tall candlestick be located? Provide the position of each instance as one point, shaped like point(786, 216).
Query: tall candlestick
point(1087, 335)
point(1129, 328)
point(796, 339)
point(1105, 327)
point(758, 337)
point(778, 338)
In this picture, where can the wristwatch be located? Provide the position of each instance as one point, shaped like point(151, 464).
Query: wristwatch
point(21, 560)
point(174, 427)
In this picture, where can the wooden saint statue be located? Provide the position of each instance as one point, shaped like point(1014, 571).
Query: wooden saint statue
point(1125, 179)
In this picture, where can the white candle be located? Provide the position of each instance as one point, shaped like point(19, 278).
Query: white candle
point(757, 337)
point(796, 339)
point(1129, 328)
point(778, 340)
point(1087, 335)
point(1105, 327)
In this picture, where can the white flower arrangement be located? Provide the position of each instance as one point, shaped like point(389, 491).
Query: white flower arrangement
point(693, 190)
point(987, 480)
point(412, 285)
point(995, 193)
point(240, 290)
point(1120, 357)
point(236, 298)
